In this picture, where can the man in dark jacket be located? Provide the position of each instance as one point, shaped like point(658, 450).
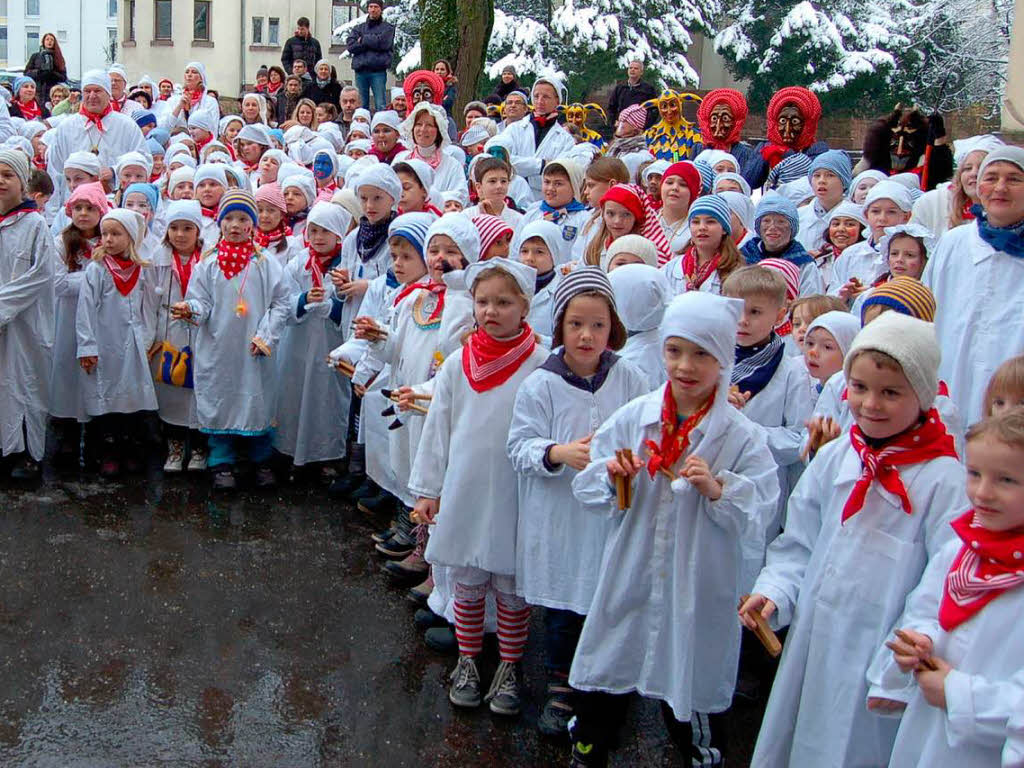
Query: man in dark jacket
point(633, 91)
point(303, 46)
point(371, 45)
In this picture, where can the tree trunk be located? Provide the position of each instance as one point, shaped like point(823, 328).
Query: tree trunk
point(459, 31)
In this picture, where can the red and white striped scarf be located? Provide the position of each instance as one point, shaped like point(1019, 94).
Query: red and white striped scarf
point(488, 362)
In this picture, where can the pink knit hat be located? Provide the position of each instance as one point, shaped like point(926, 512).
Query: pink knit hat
point(491, 228)
point(92, 193)
point(272, 194)
point(790, 273)
point(634, 115)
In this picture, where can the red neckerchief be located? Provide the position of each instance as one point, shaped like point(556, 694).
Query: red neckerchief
point(882, 280)
point(125, 273)
point(233, 257)
point(184, 270)
point(966, 214)
point(201, 144)
point(696, 276)
point(773, 153)
point(30, 110)
point(675, 437)
point(543, 120)
point(988, 564)
point(92, 117)
point(210, 213)
point(928, 441)
point(118, 104)
point(154, 177)
point(39, 163)
point(438, 289)
point(264, 239)
point(273, 88)
point(489, 363)
point(195, 97)
point(317, 264)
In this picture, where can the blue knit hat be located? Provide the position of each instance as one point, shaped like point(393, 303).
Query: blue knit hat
point(20, 81)
point(773, 202)
point(714, 206)
point(159, 135)
point(155, 147)
point(412, 227)
point(143, 188)
point(707, 176)
point(836, 161)
point(144, 118)
point(237, 200)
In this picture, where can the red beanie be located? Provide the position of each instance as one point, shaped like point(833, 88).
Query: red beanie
point(737, 104)
point(627, 198)
point(689, 173)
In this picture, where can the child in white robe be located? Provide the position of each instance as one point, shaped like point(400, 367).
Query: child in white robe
point(641, 294)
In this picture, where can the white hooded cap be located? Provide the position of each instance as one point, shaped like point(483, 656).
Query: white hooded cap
point(641, 293)
point(185, 210)
point(86, 162)
point(384, 178)
point(211, 172)
point(463, 232)
point(331, 217)
point(133, 223)
point(843, 326)
point(525, 277)
point(547, 231)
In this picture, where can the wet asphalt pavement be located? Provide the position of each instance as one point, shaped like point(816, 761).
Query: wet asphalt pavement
point(147, 623)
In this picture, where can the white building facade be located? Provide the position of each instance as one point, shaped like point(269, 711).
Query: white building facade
point(232, 38)
point(86, 30)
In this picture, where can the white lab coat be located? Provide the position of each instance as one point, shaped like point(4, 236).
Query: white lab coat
point(559, 543)
point(978, 296)
point(571, 225)
point(932, 209)
point(841, 587)
point(860, 260)
point(541, 307)
point(234, 389)
point(673, 271)
point(27, 259)
point(1013, 752)
point(813, 220)
point(528, 158)
point(449, 176)
point(376, 265)
point(119, 331)
point(463, 461)
point(76, 134)
point(312, 400)
point(663, 620)
point(509, 215)
point(644, 350)
point(985, 653)
point(177, 405)
point(65, 392)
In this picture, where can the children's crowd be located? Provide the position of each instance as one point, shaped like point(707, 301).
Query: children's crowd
point(655, 402)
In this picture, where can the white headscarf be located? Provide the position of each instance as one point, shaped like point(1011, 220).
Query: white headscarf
point(463, 232)
point(547, 231)
point(843, 326)
point(525, 277)
point(133, 223)
point(641, 293)
point(331, 217)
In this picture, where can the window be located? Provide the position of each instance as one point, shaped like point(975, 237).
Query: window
point(31, 39)
point(129, 21)
point(201, 20)
point(3, 45)
point(31, 7)
point(273, 31)
point(342, 12)
point(111, 45)
point(162, 19)
point(257, 30)
point(111, 9)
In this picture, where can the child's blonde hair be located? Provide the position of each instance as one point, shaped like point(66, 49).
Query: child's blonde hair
point(756, 281)
point(596, 246)
point(1007, 380)
point(99, 253)
point(817, 304)
point(1007, 428)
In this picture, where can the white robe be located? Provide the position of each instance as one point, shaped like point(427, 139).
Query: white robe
point(979, 292)
point(234, 389)
point(1013, 752)
point(559, 543)
point(171, 122)
point(76, 134)
point(176, 405)
point(463, 461)
point(541, 307)
point(663, 620)
point(841, 587)
point(65, 391)
point(27, 260)
point(119, 331)
point(527, 158)
point(571, 227)
point(375, 266)
point(860, 260)
point(509, 215)
point(644, 350)
point(813, 220)
point(312, 399)
point(981, 696)
point(673, 271)
point(931, 209)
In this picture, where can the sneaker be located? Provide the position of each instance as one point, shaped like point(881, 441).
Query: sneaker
point(224, 480)
point(465, 688)
point(441, 639)
point(398, 547)
point(504, 692)
point(587, 756)
point(197, 461)
point(381, 536)
point(421, 592)
point(558, 711)
point(265, 479)
point(365, 490)
point(345, 485)
point(175, 457)
point(412, 569)
point(27, 470)
point(426, 619)
point(375, 505)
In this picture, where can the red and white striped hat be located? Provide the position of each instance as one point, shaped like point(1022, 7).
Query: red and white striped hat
point(491, 228)
point(790, 273)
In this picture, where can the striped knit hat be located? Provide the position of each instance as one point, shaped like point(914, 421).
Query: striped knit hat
point(707, 176)
point(582, 280)
point(412, 227)
point(906, 295)
point(237, 200)
point(791, 168)
point(491, 229)
point(272, 195)
point(790, 273)
point(714, 206)
point(634, 115)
